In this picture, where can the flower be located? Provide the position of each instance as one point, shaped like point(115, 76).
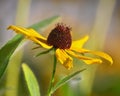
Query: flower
point(60, 38)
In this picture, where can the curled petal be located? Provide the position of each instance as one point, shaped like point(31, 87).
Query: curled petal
point(64, 58)
point(79, 43)
point(31, 34)
point(87, 60)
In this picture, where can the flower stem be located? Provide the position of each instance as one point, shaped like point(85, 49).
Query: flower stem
point(53, 74)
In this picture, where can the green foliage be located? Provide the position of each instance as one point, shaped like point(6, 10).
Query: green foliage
point(31, 81)
point(65, 80)
point(45, 23)
point(8, 49)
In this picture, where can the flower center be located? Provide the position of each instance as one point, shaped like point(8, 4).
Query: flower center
point(60, 37)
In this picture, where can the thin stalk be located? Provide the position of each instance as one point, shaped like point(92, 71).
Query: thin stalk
point(53, 74)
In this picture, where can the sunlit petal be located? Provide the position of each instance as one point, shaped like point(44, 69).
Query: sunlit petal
point(87, 60)
point(64, 58)
point(79, 43)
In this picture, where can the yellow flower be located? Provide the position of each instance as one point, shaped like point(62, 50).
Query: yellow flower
point(60, 38)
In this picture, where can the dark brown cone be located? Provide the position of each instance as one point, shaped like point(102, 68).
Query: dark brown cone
point(60, 37)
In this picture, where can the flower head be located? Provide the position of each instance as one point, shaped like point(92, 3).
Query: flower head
point(60, 39)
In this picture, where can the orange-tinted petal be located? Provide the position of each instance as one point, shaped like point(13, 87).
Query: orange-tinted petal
point(79, 43)
point(64, 58)
point(87, 60)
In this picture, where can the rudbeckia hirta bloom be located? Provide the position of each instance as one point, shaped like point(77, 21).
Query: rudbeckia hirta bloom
point(60, 39)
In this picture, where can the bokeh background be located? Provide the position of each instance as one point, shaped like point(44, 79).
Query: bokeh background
point(98, 18)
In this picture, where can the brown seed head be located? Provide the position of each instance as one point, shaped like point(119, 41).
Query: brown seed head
point(60, 37)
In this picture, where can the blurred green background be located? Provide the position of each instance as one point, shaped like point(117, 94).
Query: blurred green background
point(98, 18)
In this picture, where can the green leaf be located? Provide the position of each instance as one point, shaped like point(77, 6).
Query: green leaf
point(31, 81)
point(8, 49)
point(45, 23)
point(65, 80)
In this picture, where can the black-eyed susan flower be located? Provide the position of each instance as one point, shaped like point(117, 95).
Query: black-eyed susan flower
point(60, 39)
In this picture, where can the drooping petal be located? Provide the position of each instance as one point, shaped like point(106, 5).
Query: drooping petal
point(101, 54)
point(64, 58)
point(79, 43)
point(87, 60)
point(98, 53)
point(31, 34)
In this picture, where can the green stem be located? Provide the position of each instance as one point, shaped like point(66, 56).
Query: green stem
point(53, 74)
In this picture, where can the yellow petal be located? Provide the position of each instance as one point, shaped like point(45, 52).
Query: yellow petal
point(18, 29)
point(102, 54)
point(36, 34)
point(43, 44)
point(87, 60)
point(26, 32)
point(93, 61)
point(98, 53)
point(79, 43)
point(64, 58)
point(31, 34)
